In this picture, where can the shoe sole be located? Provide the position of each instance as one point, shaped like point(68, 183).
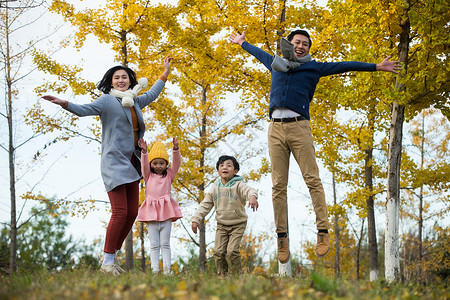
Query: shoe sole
point(289, 255)
point(287, 259)
point(323, 254)
point(109, 273)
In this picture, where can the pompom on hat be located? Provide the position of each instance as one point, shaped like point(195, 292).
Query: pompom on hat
point(158, 150)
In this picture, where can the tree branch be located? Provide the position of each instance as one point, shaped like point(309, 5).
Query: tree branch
point(192, 239)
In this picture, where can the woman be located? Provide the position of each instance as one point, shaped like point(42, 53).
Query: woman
point(122, 127)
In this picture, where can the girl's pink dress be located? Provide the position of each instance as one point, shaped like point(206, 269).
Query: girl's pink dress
point(159, 204)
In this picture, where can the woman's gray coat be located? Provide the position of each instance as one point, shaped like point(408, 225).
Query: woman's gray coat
point(117, 133)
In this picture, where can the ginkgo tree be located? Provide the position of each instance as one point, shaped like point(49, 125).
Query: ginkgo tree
point(16, 20)
point(413, 33)
point(422, 32)
point(425, 177)
point(363, 96)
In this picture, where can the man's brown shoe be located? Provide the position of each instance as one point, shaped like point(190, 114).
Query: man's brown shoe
point(323, 244)
point(283, 249)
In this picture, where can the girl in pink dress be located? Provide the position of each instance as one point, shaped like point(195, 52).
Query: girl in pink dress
point(159, 209)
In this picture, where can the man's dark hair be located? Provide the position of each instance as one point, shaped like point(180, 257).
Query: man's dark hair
point(223, 158)
point(105, 84)
point(302, 32)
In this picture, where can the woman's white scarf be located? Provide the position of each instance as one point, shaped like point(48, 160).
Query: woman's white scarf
point(131, 94)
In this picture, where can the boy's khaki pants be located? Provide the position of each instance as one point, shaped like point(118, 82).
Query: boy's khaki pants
point(294, 137)
point(227, 245)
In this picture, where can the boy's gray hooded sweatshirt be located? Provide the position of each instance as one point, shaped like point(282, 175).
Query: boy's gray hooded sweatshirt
point(229, 201)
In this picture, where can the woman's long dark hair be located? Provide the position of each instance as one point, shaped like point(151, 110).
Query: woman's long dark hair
point(105, 84)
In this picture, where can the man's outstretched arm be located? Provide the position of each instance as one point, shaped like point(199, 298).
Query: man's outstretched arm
point(261, 55)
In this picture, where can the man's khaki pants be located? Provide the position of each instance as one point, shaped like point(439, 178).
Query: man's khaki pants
point(227, 245)
point(294, 137)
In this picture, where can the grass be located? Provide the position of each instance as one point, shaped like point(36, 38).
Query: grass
point(91, 284)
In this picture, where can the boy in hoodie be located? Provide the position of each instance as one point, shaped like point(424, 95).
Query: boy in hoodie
point(228, 196)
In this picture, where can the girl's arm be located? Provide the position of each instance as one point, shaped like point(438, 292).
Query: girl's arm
point(145, 166)
point(176, 158)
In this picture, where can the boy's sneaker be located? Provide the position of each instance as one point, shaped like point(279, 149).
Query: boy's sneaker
point(323, 244)
point(283, 249)
point(111, 269)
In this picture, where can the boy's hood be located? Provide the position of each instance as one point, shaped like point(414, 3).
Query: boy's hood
point(230, 183)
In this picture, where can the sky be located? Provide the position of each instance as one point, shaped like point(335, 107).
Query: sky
point(71, 169)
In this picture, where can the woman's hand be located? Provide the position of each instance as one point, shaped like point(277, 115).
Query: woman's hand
point(55, 100)
point(175, 144)
point(167, 61)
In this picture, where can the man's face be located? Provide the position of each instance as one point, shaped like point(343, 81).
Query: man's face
point(301, 45)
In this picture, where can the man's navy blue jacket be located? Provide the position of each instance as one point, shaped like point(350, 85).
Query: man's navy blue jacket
point(295, 89)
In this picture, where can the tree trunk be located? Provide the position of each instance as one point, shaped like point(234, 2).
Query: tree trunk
point(358, 250)
point(392, 263)
point(337, 270)
point(12, 189)
point(285, 269)
point(11, 154)
point(280, 32)
point(422, 159)
point(371, 227)
point(142, 248)
point(202, 133)
point(129, 251)
point(202, 242)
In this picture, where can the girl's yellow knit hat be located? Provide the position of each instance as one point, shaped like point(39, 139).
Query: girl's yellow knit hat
point(158, 150)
